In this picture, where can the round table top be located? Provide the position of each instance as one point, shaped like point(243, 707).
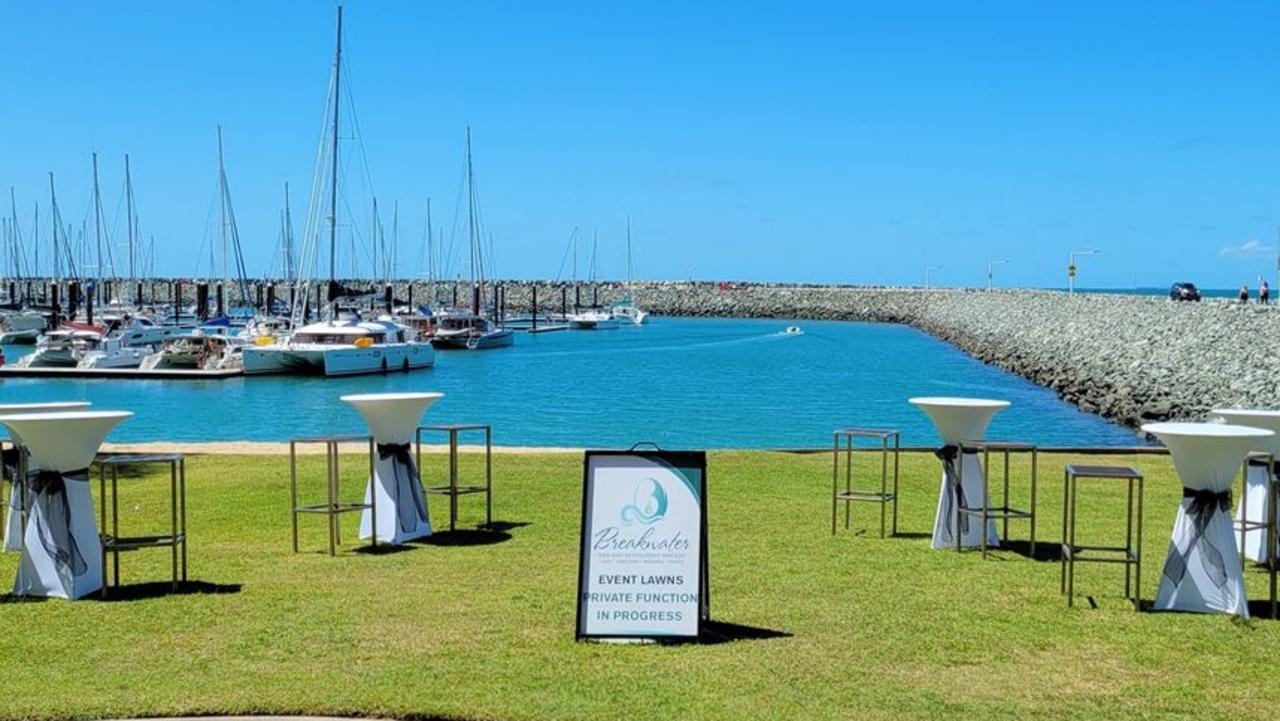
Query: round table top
point(952, 402)
point(373, 397)
point(1205, 430)
point(63, 441)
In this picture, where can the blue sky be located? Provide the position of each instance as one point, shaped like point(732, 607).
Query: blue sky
point(792, 142)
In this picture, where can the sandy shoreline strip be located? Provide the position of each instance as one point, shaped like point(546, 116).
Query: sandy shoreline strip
point(275, 448)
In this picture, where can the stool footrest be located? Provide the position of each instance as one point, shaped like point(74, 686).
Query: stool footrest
point(335, 508)
point(867, 496)
point(131, 543)
point(450, 491)
point(998, 512)
point(1097, 554)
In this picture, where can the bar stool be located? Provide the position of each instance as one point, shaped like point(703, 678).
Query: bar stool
point(884, 497)
point(453, 490)
point(986, 512)
point(114, 543)
point(1130, 554)
point(332, 508)
point(1268, 526)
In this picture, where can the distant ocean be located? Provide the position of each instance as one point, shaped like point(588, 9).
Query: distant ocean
point(679, 382)
point(1164, 292)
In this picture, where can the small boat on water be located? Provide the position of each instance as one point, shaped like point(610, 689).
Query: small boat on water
point(793, 330)
point(112, 353)
point(199, 351)
point(21, 327)
point(63, 348)
point(592, 318)
point(468, 331)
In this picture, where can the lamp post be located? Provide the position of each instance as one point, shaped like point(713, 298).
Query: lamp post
point(1071, 268)
point(928, 268)
point(991, 265)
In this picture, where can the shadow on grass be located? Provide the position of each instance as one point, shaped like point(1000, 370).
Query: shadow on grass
point(159, 589)
point(714, 632)
point(911, 535)
point(1045, 551)
point(382, 549)
point(486, 534)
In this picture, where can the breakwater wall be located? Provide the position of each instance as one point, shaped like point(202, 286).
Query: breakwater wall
point(1129, 358)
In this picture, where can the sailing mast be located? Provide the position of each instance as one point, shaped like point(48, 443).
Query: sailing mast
point(130, 214)
point(477, 290)
point(431, 260)
point(333, 180)
point(288, 238)
point(57, 220)
point(97, 230)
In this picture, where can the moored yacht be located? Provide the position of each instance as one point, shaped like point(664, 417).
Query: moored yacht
point(336, 348)
point(200, 351)
point(469, 331)
point(62, 348)
point(592, 318)
point(112, 353)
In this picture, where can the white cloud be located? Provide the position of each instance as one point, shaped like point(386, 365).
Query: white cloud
point(1248, 250)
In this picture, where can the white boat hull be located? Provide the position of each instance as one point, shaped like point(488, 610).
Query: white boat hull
point(337, 360)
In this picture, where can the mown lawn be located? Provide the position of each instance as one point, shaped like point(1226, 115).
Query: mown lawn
point(483, 628)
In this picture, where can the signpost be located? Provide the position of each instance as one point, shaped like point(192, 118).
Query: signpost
point(642, 571)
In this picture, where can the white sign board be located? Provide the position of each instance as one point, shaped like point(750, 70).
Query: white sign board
point(643, 568)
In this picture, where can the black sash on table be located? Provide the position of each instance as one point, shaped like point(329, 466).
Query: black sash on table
point(10, 458)
point(53, 523)
point(408, 515)
point(954, 491)
point(1204, 504)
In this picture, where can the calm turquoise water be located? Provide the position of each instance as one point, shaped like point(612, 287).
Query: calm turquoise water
point(683, 383)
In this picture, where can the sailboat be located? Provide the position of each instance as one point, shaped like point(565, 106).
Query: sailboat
point(335, 346)
point(472, 330)
point(592, 317)
point(625, 309)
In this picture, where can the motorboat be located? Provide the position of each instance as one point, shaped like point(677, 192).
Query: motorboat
point(201, 351)
point(21, 327)
point(139, 331)
point(794, 330)
point(626, 311)
point(592, 318)
point(341, 347)
point(112, 353)
point(470, 331)
point(63, 348)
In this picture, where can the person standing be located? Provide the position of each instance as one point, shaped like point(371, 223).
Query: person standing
point(1244, 294)
point(1264, 293)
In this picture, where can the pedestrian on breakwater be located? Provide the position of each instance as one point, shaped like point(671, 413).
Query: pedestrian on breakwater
point(1264, 294)
point(1244, 294)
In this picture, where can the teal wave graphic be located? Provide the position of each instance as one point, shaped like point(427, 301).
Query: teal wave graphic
point(653, 510)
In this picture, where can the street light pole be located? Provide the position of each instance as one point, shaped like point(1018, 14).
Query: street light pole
point(991, 264)
point(1071, 268)
point(928, 268)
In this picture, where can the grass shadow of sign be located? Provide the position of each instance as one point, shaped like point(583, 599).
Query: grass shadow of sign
point(159, 589)
point(486, 534)
point(714, 632)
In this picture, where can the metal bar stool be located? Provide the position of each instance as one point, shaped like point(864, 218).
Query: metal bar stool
point(1130, 554)
point(333, 508)
point(453, 490)
point(1267, 526)
point(987, 512)
point(114, 543)
point(884, 496)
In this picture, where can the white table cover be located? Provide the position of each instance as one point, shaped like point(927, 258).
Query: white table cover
point(61, 556)
point(17, 502)
point(393, 420)
point(1257, 477)
point(958, 420)
point(1202, 571)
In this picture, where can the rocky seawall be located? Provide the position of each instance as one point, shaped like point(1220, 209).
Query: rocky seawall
point(1129, 358)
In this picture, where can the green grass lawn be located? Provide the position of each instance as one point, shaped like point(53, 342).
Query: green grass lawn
point(873, 628)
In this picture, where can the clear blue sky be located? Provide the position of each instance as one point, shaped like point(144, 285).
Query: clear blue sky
point(791, 142)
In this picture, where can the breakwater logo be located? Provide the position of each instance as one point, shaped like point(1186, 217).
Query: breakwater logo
point(651, 510)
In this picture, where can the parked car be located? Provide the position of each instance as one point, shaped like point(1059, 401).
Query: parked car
point(1184, 291)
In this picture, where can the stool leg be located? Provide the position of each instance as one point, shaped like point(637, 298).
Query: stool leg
point(986, 497)
point(835, 479)
point(102, 537)
point(1244, 512)
point(182, 506)
point(488, 476)
point(293, 491)
point(115, 522)
point(1005, 525)
point(1071, 558)
point(848, 479)
point(173, 520)
point(955, 493)
point(1137, 570)
point(884, 481)
point(1035, 481)
point(1128, 536)
point(1062, 554)
point(373, 498)
point(331, 450)
point(453, 480)
point(896, 451)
